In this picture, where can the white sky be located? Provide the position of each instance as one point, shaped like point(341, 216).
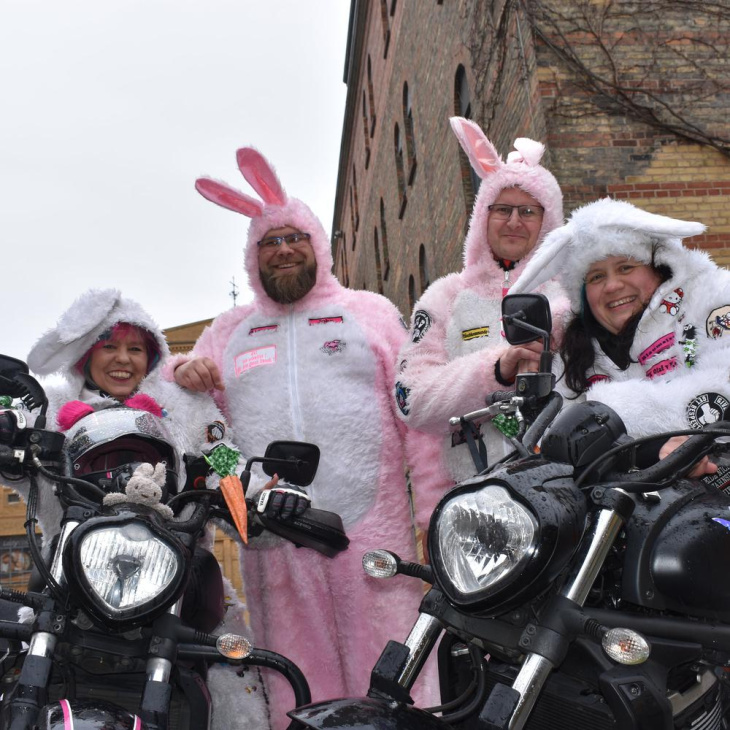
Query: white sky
point(110, 110)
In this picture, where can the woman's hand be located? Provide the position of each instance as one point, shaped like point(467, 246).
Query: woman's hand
point(701, 468)
point(199, 374)
point(520, 359)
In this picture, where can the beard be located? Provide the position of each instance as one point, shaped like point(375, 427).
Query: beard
point(289, 289)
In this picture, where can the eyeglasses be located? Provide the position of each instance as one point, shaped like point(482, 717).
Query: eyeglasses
point(503, 212)
point(291, 239)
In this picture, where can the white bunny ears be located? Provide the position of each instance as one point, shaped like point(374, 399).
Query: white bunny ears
point(259, 174)
point(601, 229)
point(522, 169)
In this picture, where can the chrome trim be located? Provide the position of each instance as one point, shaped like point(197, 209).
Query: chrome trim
point(159, 670)
point(42, 644)
point(420, 641)
point(57, 565)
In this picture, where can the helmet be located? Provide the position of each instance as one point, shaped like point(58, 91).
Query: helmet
point(105, 447)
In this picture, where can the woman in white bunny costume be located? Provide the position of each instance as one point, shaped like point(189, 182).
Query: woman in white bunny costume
point(665, 363)
point(317, 367)
point(456, 354)
point(88, 323)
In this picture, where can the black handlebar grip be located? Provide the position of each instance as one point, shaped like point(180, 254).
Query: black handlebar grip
point(499, 395)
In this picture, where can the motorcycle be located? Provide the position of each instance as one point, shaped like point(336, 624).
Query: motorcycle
point(572, 588)
point(125, 601)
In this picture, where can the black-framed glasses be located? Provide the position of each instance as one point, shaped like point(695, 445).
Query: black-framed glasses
point(502, 211)
point(291, 239)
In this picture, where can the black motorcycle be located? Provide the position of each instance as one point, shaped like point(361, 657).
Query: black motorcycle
point(575, 589)
point(125, 600)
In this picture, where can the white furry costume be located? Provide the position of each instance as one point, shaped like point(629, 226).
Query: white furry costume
point(319, 370)
point(447, 367)
point(679, 375)
point(187, 416)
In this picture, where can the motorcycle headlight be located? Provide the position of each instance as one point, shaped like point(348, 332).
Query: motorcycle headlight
point(126, 567)
point(482, 540)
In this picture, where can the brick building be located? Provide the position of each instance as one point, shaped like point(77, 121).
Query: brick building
point(405, 190)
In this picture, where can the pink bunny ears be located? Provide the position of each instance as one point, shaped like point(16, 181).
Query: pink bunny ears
point(260, 176)
point(75, 410)
point(482, 154)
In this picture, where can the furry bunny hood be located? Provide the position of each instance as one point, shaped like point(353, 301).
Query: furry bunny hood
point(607, 228)
point(275, 209)
point(522, 170)
point(80, 327)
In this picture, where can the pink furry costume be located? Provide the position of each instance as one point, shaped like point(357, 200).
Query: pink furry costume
point(317, 370)
point(679, 375)
point(186, 415)
point(447, 367)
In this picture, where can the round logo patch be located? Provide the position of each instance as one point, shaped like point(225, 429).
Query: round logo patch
point(421, 323)
point(718, 322)
point(706, 409)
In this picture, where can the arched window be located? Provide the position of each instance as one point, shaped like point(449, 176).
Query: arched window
point(424, 277)
point(357, 206)
point(386, 26)
point(352, 218)
point(470, 181)
point(384, 241)
point(411, 292)
point(400, 170)
point(410, 138)
point(342, 259)
point(371, 97)
point(366, 134)
point(378, 267)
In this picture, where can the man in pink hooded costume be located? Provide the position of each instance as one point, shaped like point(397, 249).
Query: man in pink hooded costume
point(456, 354)
point(313, 365)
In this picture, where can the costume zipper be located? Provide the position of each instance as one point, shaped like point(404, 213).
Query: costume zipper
point(296, 414)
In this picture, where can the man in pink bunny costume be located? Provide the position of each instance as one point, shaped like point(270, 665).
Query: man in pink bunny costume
point(456, 354)
point(313, 364)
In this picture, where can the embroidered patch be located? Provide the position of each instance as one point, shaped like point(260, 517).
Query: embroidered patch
point(662, 368)
point(421, 323)
point(401, 398)
point(475, 332)
point(718, 322)
point(245, 361)
point(266, 328)
point(215, 431)
point(689, 344)
point(672, 302)
point(663, 343)
point(597, 378)
point(325, 320)
point(707, 408)
point(720, 480)
point(333, 346)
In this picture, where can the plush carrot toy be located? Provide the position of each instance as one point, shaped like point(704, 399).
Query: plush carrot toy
point(223, 460)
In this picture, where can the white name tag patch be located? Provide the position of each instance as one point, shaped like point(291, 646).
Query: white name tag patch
point(245, 361)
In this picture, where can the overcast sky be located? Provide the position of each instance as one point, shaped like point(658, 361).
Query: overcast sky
point(108, 113)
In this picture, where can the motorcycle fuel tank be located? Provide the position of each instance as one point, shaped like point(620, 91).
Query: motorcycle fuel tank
point(678, 553)
point(65, 715)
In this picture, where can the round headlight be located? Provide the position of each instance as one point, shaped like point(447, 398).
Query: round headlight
point(482, 539)
point(126, 567)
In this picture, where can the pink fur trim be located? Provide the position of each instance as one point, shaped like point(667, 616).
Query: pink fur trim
point(144, 402)
point(71, 412)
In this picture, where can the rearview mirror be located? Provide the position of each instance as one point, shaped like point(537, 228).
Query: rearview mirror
point(526, 318)
point(295, 462)
point(10, 367)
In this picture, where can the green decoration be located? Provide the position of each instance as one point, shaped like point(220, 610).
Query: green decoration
point(223, 460)
point(6, 401)
point(508, 425)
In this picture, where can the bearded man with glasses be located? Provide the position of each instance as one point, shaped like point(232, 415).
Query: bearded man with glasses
point(456, 354)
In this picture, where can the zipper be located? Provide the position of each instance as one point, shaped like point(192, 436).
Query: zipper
point(296, 414)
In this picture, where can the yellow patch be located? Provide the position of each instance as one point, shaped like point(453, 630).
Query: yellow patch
point(472, 334)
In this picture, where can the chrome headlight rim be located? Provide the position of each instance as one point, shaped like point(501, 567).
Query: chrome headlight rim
point(510, 584)
point(84, 595)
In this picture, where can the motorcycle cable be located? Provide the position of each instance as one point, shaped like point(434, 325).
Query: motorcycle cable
point(73, 482)
point(633, 485)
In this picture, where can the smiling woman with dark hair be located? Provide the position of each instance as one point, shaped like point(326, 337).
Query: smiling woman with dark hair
point(650, 331)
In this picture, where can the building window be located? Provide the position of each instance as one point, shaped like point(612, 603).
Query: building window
point(371, 98)
point(424, 277)
point(393, 3)
point(410, 139)
point(470, 181)
point(378, 267)
point(400, 170)
point(16, 563)
point(386, 26)
point(366, 134)
point(13, 498)
point(384, 241)
point(411, 292)
point(352, 218)
point(357, 205)
point(345, 276)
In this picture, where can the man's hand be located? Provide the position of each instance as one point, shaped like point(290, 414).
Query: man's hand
point(701, 468)
point(199, 374)
point(520, 359)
